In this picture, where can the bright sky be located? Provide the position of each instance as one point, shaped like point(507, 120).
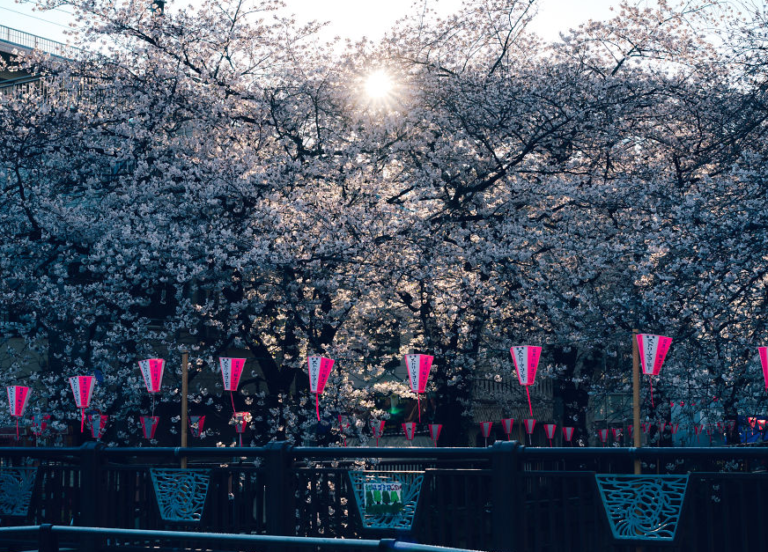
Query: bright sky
point(348, 18)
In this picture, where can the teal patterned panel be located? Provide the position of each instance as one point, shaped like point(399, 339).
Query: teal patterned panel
point(643, 507)
point(16, 487)
point(387, 499)
point(180, 494)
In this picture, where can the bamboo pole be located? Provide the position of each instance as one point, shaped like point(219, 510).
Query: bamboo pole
point(184, 406)
point(636, 398)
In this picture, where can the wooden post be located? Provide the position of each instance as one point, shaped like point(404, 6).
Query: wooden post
point(184, 406)
point(636, 398)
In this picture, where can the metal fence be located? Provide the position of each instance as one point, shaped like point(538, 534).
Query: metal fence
point(505, 497)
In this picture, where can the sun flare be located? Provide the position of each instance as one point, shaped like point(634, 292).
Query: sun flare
point(378, 85)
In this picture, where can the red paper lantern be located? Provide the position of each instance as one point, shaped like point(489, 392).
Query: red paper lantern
point(653, 349)
point(410, 430)
point(241, 420)
point(152, 371)
point(673, 428)
point(319, 371)
point(149, 426)
point(196, 424)
point(507, 423)
point(616, 432)
point(418, 373)
point(603, 434)
point(526, 359)
point(342, 427)
point(82, 389)
point(377, 427)
point(630, 429)
point(18, 395)
point(568, 434)
point(434, 432)
point(549, 430)
point(98, 424)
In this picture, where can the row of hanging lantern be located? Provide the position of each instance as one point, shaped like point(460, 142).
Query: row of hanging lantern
point(652, 351)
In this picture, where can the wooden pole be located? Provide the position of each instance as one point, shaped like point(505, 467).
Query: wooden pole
point(184, 406)
point(636, 398)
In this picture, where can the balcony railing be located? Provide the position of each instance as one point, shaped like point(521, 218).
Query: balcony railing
point(14, 37)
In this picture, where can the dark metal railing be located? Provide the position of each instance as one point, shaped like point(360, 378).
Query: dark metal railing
point(505, 497)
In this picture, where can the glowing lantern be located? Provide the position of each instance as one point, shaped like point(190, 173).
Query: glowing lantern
point(241, 420)
point(231, 370)
point(410, 430)
point(752, 421)
point(18, 395)
point(526, 359)
point(761, 425)
point(434, 432)
point(549, 430)
point(98, 423)
point(568, 434)
point(196, 424)
point(418, 373)
point(377, 427)
point(653, 349)
point(603, 434)
point(529, 425)
point(149, 426)
point(40, 423)
point(152, 371)
point(319, 370)
point(485, 428)
point(82, 388)
point(507, 424)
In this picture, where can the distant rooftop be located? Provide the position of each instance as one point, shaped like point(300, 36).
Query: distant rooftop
point(13, 39)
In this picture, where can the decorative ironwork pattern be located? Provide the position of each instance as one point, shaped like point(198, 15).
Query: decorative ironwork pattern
point(16, 487)
point(387, 509)
point(180, 494)
point(643, 507)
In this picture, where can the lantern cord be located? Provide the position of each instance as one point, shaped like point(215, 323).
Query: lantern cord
point(17, 429)
point(529, 400)
point(650, 382)
point(317, 406)
point(240, 437)
point(153, 405)
point(82, 420)
point(418, 401)
point(232, 398)
point(529, 440)
point(550, 443)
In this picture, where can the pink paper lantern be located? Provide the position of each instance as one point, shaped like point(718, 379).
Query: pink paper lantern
point(529, 425)
point(418, 373)
point(410, 430)
point(377, 427)
point(673, 428)
point(149, 426)
point(526, 359)
point(342, 428)
point(630, 431)
point(18, 395)
point(485, 429)
point(98, 424)
point(434, 432)
point(196, 425)
point(653, 349)
point(319, 371)
point(82, 389)
point(763, 352)
point(241, 420)
point(40, 423)
point(549, 431)
point(507, 424)
point(603, 435)
point(568, 434)
point(697, 431)
point(231, 370)
point(152, 371)
point(616, 432)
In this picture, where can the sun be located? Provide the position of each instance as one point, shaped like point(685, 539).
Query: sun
point(378, 85)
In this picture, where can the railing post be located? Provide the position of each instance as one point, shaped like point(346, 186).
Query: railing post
point(279, 493)
point(504, 477)
point(90, 484)
point(47, 541)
